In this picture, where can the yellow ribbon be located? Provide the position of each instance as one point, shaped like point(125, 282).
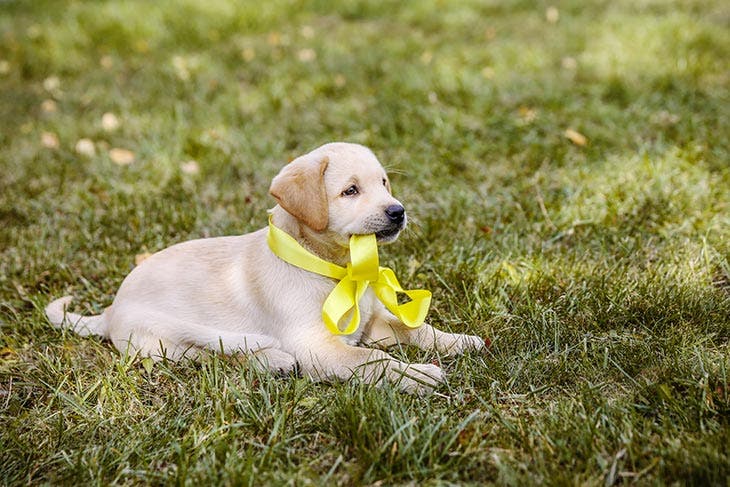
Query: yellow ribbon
point(362, 271)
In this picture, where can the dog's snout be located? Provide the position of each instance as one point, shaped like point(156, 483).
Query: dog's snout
point(396, 213)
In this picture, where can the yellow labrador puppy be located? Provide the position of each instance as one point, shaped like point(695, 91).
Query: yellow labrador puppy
point(233, 294)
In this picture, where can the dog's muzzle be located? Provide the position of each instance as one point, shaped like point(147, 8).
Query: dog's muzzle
point(397, 221)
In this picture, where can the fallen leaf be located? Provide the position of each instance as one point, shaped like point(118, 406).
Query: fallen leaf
point(569, 63)
point(139, 258)
point(181, 67)
point(85, 147)
point(510, 272)
point(4, 67)
point(340, 80)
point(413, 265)
point(307, 32)
point(34, 31)
point(86, 99)
point(49, 140)
point(190, 167)
point(488, 73)
point(576, 137)
point(273, 39)
point(52, 83)
point(515, 274)
point(213, 134)
point(552, 15)
point(106, 62)
point(109, 122)
point(248, 54)
point(665, 118)
point(123, 157)
point(307, 55)
point(49, 106)
point(527, 114)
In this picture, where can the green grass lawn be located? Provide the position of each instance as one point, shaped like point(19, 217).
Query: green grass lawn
point(596, 260)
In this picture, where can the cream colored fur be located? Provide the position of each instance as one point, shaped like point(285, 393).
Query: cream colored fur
point(232, 294)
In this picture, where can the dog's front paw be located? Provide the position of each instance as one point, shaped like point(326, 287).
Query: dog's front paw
point(420, 378)
point(275, 360)
point(457, 344)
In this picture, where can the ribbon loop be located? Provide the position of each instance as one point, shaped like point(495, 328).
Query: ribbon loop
point(413, 313)
point(362, 271)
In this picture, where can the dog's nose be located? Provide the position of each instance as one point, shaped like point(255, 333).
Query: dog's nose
point(396, 213)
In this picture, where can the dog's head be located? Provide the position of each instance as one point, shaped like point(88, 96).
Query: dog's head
point(342, 189)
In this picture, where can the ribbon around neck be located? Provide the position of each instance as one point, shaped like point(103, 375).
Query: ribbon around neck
point(362, 271)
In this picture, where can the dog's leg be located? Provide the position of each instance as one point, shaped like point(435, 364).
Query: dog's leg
point(156, 335)
point(332, 359)
point(386, 330)
point(275, 360)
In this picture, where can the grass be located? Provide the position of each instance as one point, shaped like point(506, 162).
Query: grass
point(599, 270)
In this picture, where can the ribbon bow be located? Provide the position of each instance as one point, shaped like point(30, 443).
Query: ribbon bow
point(362, 271)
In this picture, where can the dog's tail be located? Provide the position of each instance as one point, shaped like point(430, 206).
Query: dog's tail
point(83, 325)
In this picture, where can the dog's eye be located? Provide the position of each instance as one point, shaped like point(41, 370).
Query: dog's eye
point(385, 183)
point(351, 191)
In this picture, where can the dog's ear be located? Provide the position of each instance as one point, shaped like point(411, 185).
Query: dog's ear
point(299, 189)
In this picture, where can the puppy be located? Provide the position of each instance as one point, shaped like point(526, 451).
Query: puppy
point(232, 294)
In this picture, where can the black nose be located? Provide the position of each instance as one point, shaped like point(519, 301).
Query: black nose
point(396, 213)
